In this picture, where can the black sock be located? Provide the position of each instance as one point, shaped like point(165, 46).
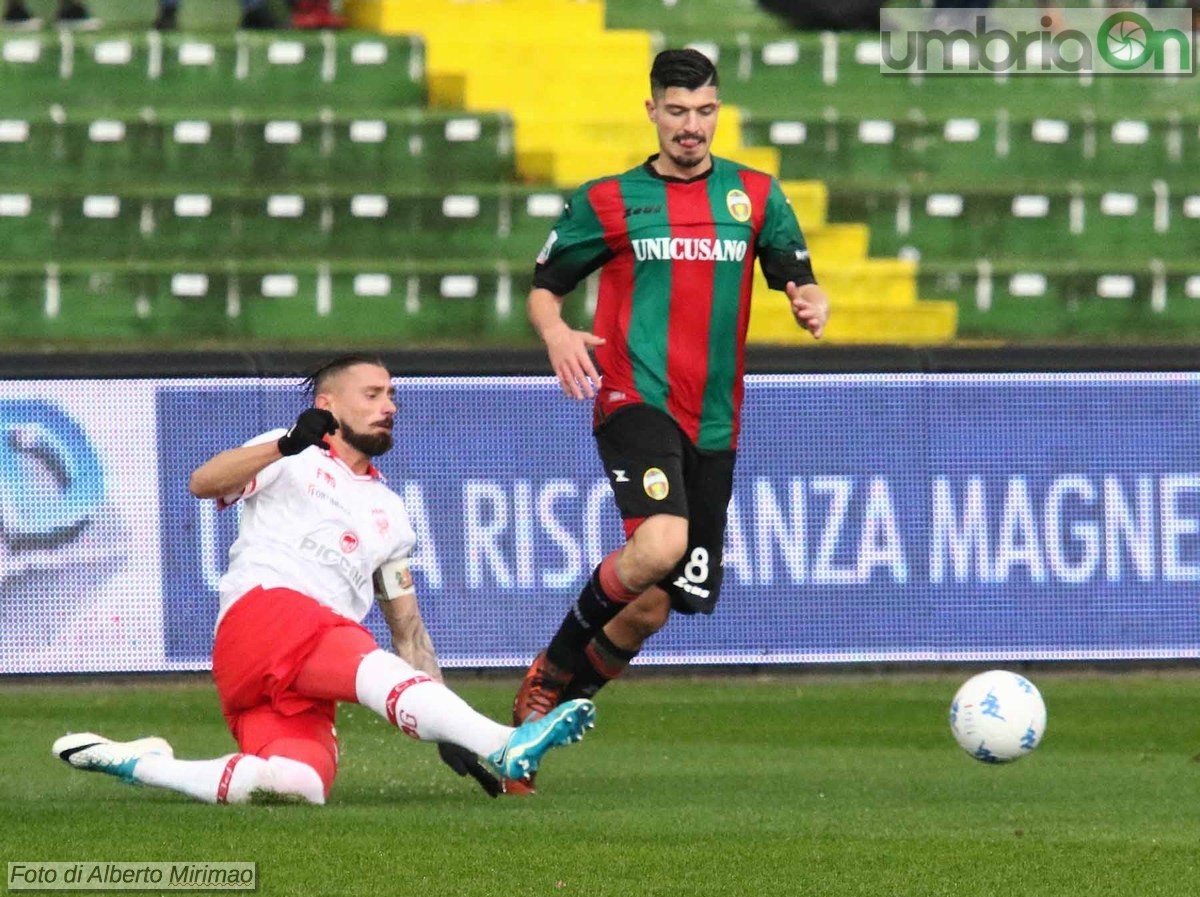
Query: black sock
point(603, 662)
point(587, 616)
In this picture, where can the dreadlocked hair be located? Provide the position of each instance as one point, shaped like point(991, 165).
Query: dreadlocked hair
point(321, 375)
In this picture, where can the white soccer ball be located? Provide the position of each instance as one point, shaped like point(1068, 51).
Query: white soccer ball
point(998, 716)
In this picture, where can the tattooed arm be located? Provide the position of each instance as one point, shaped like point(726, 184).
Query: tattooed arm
point(398, 601)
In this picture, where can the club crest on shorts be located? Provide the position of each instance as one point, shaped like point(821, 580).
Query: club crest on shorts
point(739, 205)
point(654, 481)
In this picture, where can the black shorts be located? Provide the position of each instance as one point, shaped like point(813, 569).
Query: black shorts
point(655, 469)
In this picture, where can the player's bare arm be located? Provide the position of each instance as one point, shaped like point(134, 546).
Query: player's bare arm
point(410, 638)
point(397, 598)
point(567, 348)
point(228, 472)
point(810, 307)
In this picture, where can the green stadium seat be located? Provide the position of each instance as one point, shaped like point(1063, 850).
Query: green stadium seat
point(1036, 225)
point(499, 223)
point(110, 153)
point(1134, 146)
point(29, 73)
point(102, 220)
point(1185, 215)
point(381, 302)
point(1067, 299)
point(119, 72)
point(25, 312)
point(26, 226)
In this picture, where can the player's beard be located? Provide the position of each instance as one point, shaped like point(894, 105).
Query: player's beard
point(370, 444)
point(690, 161)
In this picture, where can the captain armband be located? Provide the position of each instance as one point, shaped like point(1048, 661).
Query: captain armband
point(394, 580)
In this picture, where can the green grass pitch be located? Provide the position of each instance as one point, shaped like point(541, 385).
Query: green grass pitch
point(788, 784)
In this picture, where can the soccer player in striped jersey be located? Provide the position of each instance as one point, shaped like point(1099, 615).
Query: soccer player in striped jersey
point(321, 539)
point(675, 240)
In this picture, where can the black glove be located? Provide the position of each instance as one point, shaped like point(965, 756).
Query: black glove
point(310, 428)
point(466, 763)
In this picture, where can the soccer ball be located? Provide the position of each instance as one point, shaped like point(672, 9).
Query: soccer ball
point(998, 716)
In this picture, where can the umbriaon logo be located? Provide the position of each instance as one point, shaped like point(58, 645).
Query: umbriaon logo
point(1025, 40)
point(1128, 41)
point(692, 249)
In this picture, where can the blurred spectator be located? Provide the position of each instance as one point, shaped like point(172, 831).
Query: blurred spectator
point(953, 14)
point(71, 14)
point(834, 15)
point(315, 14)
point(256, 15)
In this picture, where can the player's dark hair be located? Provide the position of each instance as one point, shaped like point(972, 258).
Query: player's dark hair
point(689, 69)
point(321, 375)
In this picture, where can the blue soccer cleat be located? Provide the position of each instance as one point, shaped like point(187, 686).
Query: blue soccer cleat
point(565, 724)
point(95, 753)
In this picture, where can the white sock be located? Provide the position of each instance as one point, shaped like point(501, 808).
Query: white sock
point(423, 708)
point(233, 778)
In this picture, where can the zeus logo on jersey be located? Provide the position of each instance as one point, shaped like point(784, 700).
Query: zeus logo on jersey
point(692, 249)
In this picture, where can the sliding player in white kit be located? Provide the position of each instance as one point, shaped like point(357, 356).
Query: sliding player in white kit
point(321, 538)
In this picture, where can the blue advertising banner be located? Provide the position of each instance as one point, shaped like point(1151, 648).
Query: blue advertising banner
point(80, 577)
point(875, 517)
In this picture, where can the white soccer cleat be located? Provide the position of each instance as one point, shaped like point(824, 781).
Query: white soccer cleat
point(95, 753)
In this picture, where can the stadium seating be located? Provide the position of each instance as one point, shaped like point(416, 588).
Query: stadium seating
point(1056, 222)
point(562, 137)
point(1052, 207)
point(194, 150)
point(286, 71)
point(131, 160)
point(961, 147)
point(294, 302)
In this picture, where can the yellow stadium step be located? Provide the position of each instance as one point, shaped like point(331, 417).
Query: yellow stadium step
point(835, 244)
point(510, 17)
point(530, 96)
point(617, 63)
point(928, 322)
point(809, 199)
point(570, 168)
point(867, 282)
point(605, 54)
point(366, 15)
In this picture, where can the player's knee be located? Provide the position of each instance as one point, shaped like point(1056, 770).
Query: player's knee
point(648, 613)
point(657, 547)
point(300, 767)
point(273, 777)
point(291, 778)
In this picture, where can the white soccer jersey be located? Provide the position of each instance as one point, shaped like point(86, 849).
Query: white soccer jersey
point(311, 524)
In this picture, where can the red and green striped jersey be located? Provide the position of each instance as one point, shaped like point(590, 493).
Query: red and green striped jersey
point(674, 302)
